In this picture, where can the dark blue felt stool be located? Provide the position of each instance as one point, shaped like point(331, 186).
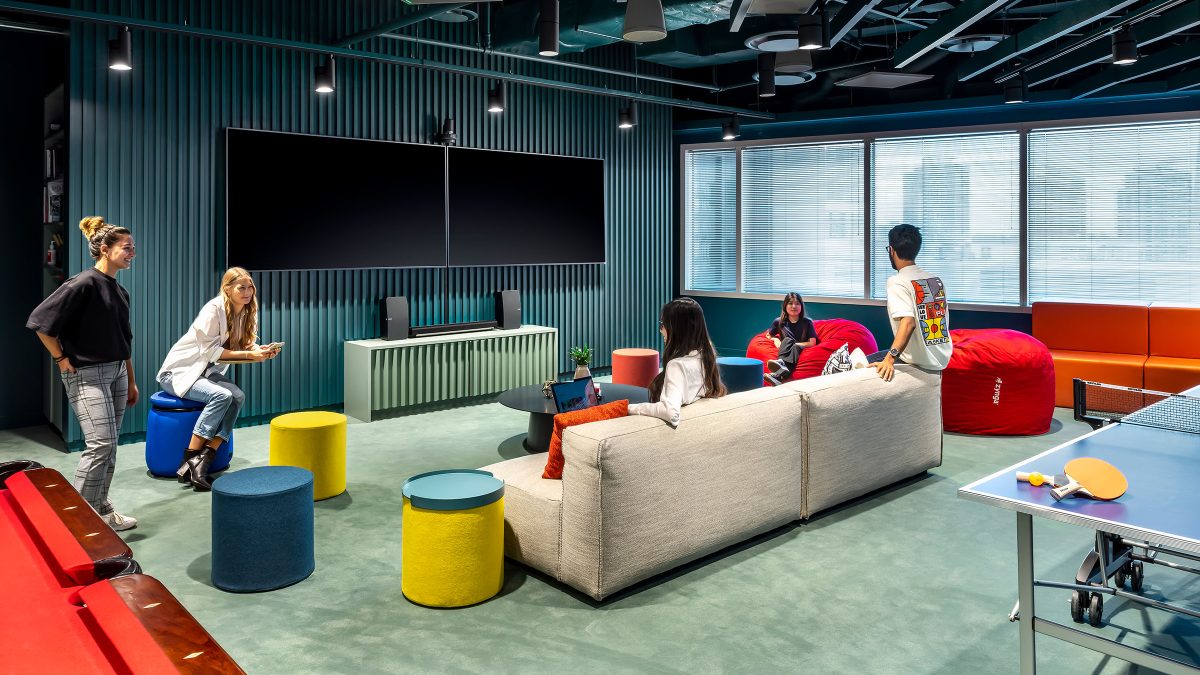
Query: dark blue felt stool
point(169, 430)
point(740, 373)
point(262, 528)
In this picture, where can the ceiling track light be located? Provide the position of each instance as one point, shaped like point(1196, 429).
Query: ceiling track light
point(731, 130)
point(627, 118)
point(810, 33)
point(548, 28)
point(120, 51)
point(1124, 47)
point(447, 136)
point(644, 21)
point(1014, 89)
point(766, 74)
point(497, 98)
point(325, 76)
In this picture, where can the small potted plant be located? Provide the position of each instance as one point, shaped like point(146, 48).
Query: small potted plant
point(582, 356)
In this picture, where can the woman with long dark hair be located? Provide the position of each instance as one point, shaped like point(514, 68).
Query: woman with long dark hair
point(792, 333)
point(689, 363)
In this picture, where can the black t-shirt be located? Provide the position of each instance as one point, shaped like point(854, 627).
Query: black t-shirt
point(89, 314)
point(800, 331)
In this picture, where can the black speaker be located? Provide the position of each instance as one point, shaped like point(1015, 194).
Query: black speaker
point(393, 318)
point(508, 309)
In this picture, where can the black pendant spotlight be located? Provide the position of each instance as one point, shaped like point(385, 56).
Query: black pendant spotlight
point(627, 118)
point(548, 28)
point(731, 130)
point(447, 136)
point(766, 74)
point(497, 98)
point(1124, 47)
point(325, 76)
point(120, 51)
point(1014, 89)
point(810, 32)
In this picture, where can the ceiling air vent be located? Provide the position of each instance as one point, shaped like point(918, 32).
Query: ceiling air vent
point(881, 79)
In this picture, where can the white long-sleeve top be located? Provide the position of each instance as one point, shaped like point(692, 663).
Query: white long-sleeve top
point(682, 384)
point(201, 345)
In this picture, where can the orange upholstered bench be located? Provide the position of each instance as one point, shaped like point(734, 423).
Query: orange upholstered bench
point(1173, 364)
point(1093, 341)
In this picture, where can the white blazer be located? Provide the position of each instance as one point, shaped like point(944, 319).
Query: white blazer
point(200, 346)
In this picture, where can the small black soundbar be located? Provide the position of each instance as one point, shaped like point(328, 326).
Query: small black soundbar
point(451, 328)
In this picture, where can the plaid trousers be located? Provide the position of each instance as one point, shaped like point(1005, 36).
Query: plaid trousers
point(97, 394)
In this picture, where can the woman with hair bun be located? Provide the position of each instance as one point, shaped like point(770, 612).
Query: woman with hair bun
point(225, 330)
point(84, 324)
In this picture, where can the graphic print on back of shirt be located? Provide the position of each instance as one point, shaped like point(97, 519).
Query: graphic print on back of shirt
point(931, 310)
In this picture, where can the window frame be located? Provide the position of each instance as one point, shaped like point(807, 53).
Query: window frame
point(1022, 128)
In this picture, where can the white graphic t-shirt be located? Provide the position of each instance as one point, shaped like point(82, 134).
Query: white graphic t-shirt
point(914, 292)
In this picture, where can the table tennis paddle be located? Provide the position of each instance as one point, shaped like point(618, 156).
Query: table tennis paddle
point(1101, 479)
point(1049, 480)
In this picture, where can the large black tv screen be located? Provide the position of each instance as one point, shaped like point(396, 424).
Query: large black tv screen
point(299, 202)
point(510, 208)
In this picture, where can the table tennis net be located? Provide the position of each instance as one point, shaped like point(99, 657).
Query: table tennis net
point(1098, 403)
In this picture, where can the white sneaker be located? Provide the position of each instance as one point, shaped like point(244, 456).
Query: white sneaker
point(777, 368)
point(119, 522)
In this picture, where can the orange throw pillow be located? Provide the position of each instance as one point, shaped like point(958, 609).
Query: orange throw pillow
point(555, 461)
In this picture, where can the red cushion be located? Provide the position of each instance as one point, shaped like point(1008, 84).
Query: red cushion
point(831, 334)
point(998, 382)
point(555, 460)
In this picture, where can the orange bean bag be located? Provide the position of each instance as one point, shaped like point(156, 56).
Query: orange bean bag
point(998, 382)
point(831, 334)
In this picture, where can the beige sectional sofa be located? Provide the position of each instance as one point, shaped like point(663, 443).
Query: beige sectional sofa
point(639, 498)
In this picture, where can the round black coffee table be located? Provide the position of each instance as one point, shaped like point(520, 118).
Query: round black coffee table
point(541, 409)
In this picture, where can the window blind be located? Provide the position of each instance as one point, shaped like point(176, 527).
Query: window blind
point(802, 219)
point(963, 192)
point(1114, 213)
point(710, 220)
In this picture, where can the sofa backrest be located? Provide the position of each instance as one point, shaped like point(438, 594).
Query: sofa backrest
point(1092, 326)
point(1174, 329)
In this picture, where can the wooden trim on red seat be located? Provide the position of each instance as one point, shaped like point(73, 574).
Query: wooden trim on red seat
point(151, 631)
point(72, 532)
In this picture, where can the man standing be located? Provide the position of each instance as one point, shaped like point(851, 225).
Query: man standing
point(916, 305)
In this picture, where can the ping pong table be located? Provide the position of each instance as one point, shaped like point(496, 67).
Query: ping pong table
point(1159, 513)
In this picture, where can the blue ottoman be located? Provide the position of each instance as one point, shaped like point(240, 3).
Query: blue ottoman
point(169, 430)
point(262, 528)
point(740, 373)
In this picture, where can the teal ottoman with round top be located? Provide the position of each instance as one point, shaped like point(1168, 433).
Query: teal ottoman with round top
point(262, 528)
point(740, 373)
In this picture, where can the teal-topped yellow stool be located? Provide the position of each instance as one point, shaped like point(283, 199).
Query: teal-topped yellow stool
point(313, 440)
point(452, 538)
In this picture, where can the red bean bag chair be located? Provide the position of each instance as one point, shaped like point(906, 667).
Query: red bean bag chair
point(998, 382)
point(831, 334)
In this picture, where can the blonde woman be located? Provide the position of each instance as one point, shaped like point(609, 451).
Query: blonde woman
point(84, 324)
point(225, 329)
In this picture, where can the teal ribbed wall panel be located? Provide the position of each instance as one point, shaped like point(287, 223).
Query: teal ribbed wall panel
point(147, 152)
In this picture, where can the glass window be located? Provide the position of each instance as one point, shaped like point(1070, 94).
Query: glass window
point(963, 192)
point(802, 219)
point(710, 221)
point(1114, 213)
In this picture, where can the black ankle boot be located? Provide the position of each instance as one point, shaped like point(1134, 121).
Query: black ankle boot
point(198, 470)
point(182, 472)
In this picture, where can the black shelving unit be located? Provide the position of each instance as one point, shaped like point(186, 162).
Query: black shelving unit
point(54, 215)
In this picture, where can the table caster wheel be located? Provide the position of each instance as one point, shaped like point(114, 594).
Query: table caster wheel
point(1077, 602)
point(1096, 610)
point(1121, 575)
point(1136, 576)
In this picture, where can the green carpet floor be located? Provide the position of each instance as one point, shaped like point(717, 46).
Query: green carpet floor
point(910, 579)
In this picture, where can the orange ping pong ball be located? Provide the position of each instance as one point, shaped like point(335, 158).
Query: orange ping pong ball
point(1036, 479)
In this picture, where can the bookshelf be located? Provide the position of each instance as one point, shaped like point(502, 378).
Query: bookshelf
point(54, 231)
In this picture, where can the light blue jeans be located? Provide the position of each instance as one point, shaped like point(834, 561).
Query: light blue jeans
point(222, 401)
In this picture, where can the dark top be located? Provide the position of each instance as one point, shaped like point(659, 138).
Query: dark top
point(801, 331)
point(89, 314)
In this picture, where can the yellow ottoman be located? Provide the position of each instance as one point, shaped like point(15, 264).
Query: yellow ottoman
point(452, 538)
point(313, 440)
